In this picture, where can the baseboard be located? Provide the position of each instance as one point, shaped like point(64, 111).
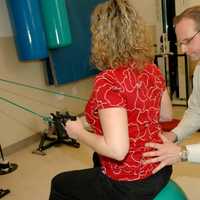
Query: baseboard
point(21, 144)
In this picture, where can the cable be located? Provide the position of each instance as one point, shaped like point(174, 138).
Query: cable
point(42, 89)
point(45, 118)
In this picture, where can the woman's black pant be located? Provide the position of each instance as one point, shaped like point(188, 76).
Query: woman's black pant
point(92, 184)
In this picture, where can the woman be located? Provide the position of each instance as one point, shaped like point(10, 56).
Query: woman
point(128, 100)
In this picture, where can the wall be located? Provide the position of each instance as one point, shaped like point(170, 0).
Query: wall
point(5, 29)
point(148, 10)
point(182, 4)
point(17, 124)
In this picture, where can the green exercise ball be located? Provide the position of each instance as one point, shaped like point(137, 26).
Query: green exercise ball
point(171, 192)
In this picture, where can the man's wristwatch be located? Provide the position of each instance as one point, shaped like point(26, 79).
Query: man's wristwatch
point(183, 153)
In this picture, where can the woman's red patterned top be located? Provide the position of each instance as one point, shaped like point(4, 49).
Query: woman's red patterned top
point(140, 93)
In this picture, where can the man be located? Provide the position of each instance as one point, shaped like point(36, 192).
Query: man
point(187, 28)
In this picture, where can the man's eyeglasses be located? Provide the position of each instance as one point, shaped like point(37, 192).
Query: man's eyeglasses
point(187, 41)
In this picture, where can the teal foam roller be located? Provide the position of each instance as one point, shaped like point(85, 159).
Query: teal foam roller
point(56, 23)
point(171, 192)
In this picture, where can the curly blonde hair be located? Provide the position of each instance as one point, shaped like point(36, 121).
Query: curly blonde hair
point(118, 36)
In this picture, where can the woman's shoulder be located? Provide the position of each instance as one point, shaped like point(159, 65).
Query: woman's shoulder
point(153, 69)
point(111, 74)
point(110, 77)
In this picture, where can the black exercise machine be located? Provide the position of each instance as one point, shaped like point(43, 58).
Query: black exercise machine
point(56, 134)
point(172, 79)
point(5, 168)
point(3, 192)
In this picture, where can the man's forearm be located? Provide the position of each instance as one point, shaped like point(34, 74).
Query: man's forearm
point(193, 153)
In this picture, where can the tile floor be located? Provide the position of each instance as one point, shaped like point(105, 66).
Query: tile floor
point(31, 181)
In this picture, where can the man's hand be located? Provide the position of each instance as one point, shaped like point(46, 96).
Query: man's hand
point(171, 136)
point(167, 153)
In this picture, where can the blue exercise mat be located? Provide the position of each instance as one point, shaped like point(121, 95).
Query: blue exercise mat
point(28, 30)
point(73, 62)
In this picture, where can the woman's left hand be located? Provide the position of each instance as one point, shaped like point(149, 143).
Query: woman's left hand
point(74, 128)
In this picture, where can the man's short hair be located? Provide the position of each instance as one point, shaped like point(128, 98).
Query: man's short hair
point(190, 13)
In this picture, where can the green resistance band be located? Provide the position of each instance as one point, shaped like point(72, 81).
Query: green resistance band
point(43, 90)
point(45, 118)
